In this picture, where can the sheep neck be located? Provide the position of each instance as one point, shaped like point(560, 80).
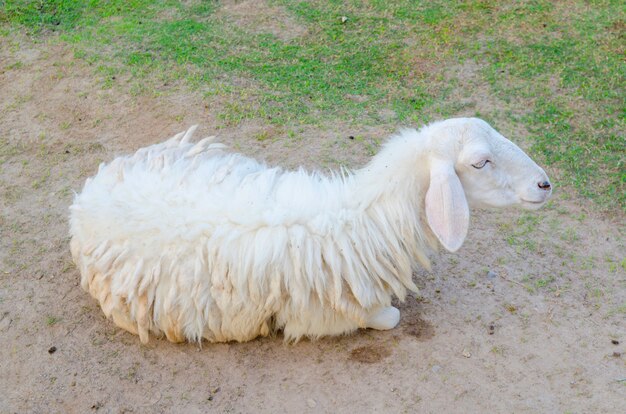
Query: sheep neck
point(390, 191)
point(399, 173)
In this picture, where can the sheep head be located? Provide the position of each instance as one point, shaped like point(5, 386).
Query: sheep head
point(472, 165)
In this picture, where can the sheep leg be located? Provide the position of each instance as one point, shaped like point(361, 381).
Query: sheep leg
point(384, 319)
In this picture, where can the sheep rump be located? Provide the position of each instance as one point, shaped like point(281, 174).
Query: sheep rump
point(193, 242)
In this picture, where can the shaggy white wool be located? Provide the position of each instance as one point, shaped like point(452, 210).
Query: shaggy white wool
point(193, 242)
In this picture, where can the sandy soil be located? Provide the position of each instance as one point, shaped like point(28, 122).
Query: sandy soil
point(529, 316)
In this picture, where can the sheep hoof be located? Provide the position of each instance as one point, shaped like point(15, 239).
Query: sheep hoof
point(384, 319)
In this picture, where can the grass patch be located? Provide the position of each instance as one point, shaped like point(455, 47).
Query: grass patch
point(52, 320)
point(555, 70)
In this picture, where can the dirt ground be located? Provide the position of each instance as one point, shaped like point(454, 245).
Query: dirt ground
point(529, 316)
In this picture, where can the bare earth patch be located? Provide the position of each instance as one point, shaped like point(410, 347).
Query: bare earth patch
point(257, 16)
point(369, 354)
point(527, 317)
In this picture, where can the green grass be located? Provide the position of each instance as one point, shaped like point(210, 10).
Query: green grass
point(554, 70)
point(52, 320)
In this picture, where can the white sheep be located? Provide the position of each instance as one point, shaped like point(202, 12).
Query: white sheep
point(195, 242)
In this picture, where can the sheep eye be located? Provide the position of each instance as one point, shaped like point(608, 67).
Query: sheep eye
point(481, 164)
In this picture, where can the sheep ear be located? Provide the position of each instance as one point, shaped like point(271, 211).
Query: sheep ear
point(447, 211)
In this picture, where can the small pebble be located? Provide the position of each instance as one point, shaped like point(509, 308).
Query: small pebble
point(212, 393)
point(52, 349)
point(617, 354)
point(492, 329)
point(436, 368)
point(491, 275)
point(466, 353)
point(311, 403)
point(614, 341)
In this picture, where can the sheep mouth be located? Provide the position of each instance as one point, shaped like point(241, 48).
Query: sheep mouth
point(533, 204)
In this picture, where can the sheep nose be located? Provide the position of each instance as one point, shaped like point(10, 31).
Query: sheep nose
point(544, 185)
